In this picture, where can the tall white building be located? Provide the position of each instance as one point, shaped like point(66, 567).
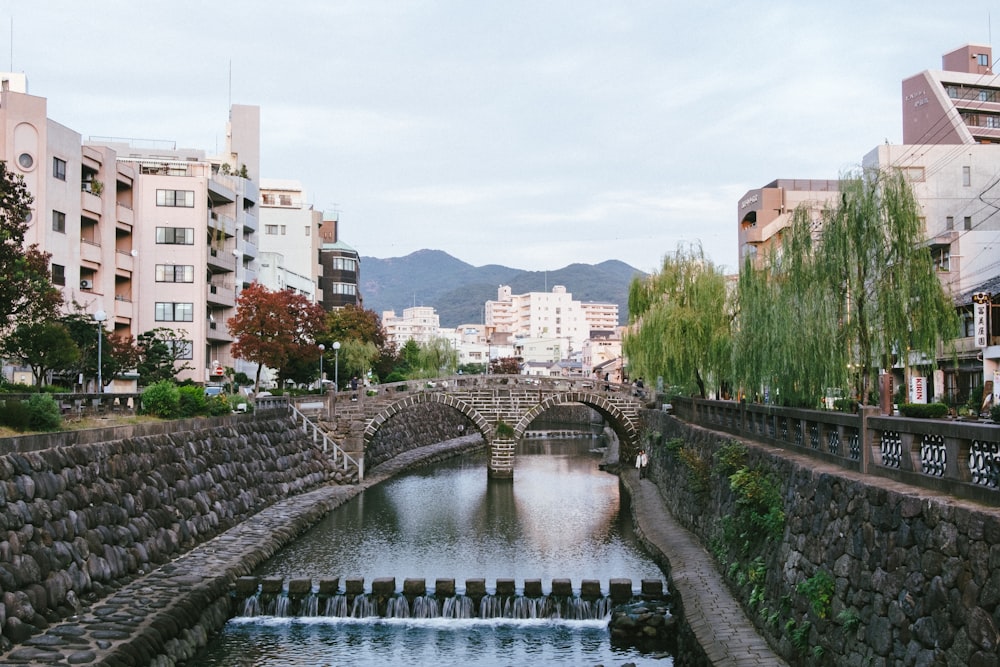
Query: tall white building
point(546, 315)
point(289, 228)
point(418, 323)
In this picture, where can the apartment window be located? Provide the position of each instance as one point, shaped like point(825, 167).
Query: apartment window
point(175, 235)
point(949, 223)
point(58, 221)
point(283, 229)
point(181, 198)
point(342, 288)
point(167, 311)
point(967, 223)
point(59, 169)
point(182, 349)
point(913, 174)
point(268, 199)
point(941, 258)
point(991, 121)
point(285, 200)
point(271, 230)
point(308, 228)
point(174, 273)
point(343, 264)
point(983, 59)
point(58, 274)
point(966, 176)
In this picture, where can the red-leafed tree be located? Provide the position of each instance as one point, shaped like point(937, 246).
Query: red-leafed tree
point(273, 328)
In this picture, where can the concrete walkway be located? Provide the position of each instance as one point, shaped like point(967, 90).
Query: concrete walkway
point(710, 610)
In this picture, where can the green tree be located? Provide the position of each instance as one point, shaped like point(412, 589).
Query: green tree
point(160, 350)
point(680, 323)
point(437, 357)
point(26, 290)
point(360, 324)
point(834, 307)
point(356, 358)
point(43, 346)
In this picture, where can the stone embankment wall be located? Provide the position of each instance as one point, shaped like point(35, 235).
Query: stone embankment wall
point(77, 522)
point(866, 571)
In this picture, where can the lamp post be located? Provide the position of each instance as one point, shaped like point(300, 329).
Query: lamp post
point(322, 349)
point(336, 365)
point(99, 317)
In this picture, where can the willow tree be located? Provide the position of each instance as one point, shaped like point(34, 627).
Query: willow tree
point(679, 323)
point(830, 309)
point(786, 338)
point(891, 305)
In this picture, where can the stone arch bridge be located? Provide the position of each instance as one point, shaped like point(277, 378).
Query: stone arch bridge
point(500, 407)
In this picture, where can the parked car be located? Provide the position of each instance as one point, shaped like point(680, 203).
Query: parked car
point(213, 391)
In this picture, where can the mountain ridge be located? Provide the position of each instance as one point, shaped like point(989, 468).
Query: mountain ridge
point(458, 290)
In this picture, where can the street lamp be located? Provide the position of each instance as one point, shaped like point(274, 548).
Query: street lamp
point(322, 349)
point(99, 317)
point(336, 365)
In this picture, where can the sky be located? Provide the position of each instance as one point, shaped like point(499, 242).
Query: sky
point(530, 134)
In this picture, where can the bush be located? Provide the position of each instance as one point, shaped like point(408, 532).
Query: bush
point(191, 401)
point(44, 413)
point(217, 406)
point(995, 413)
point(923, 410)
point(161, 399)
point(14, 414)
point(848, 405)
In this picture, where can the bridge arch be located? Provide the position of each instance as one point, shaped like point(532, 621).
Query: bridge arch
point(625, 428)
point(388, 411)
point(501, 408)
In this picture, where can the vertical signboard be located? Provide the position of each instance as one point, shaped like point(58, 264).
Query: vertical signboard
point(981, 309)
point(918, 389)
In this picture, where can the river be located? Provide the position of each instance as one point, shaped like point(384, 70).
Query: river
point(560, 518)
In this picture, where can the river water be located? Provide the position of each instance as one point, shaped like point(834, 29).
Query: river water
point(560, 518)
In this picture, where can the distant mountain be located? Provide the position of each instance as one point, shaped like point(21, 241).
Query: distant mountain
point(458, 290)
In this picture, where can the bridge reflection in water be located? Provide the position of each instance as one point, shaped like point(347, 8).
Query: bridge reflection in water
point(560, 518)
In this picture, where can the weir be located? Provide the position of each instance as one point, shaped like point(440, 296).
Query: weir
point(253, 597)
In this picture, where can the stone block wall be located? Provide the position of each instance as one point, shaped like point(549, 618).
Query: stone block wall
point(79, 521)
point(914, 578)
point(417, 426)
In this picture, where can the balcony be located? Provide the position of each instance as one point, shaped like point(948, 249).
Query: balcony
point(125, 216)
point(221, 260)
point(124, 307)
point(249, 249)
point(220, 295)
point(90, 251)
point(90, 203)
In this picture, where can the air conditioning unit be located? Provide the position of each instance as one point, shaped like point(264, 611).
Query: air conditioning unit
point(86, 284)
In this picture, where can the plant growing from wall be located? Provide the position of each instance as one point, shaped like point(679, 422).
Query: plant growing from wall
point(818, 590)
point(698, 469)
point(504, 430)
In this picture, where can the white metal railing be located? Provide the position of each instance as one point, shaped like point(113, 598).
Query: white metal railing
point(328, 444)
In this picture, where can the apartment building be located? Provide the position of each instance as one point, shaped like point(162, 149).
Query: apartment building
point(417, 323)
point(146, 233)
point(958, 104)
point(547, 315)
point(289, 239)
point(341, 277)
point(764, 212)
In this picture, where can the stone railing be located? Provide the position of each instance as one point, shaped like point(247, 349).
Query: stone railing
point(88, 405)
point(949, 456)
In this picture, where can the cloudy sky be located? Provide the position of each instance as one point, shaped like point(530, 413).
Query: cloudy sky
point(531, 134)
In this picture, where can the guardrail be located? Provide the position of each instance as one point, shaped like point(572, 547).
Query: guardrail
point(329, 446)
point(960, 458)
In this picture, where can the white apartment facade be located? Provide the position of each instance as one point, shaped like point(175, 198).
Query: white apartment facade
point(545, 315)
point(289, 227)
point(417, 323)
point(151, 235)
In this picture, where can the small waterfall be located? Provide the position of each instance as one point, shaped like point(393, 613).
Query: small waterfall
point(458, 607)
point(336, 606)
point(425, 607)
point(364, 607)
point(252, 606)
point(397, 607)
point(309, 606)
point(281, 604)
